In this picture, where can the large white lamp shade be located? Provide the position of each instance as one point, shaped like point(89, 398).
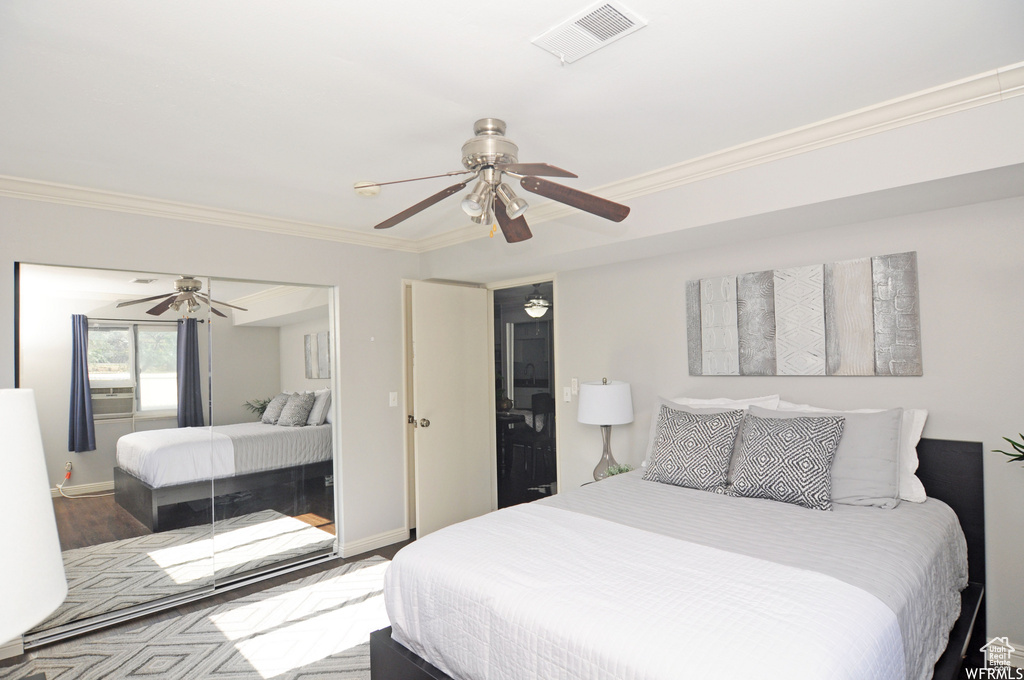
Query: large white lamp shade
point(32, 582)
point(605, 403)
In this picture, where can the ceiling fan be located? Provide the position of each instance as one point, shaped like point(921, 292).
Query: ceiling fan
point(488, 156)
point(186, 292)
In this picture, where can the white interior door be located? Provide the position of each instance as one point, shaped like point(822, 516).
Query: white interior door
point(452, 394)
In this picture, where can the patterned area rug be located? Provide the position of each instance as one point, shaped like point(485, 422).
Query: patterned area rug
point(316, 627)
point(112, 576)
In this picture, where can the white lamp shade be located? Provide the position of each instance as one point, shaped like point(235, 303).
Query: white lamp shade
point(32, 582)
point(605, 403)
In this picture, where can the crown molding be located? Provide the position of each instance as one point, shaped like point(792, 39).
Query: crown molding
point(984, 88)
point(978, 90)
point(51, 192)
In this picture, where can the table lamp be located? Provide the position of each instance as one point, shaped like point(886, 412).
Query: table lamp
point(605, 403)
point(32, 582)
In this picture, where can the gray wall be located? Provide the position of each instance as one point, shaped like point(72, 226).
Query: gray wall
point(627, 321)
point(369, 299)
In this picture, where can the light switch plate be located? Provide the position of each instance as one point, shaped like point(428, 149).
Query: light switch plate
point(567, 394)
point(575, 386)
point(392, 398)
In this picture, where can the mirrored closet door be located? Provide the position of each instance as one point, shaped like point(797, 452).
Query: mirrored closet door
point(181, 483)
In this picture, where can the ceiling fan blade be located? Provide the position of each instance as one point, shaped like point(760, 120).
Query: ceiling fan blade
point(135, 302)
point(539, 169)
point(416, 179)
point(422, 205)
point(218, 312)
point(208, 300)
point(163, 306)
point(514, 230)
point(602, 207)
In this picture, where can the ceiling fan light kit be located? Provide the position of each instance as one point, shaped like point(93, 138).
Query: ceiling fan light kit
point(186, 293)
point(488, 156)
point(536, 304)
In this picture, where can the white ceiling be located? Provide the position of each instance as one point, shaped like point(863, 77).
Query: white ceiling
point(276, 108)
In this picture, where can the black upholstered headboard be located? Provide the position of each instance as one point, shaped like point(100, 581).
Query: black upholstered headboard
point(952, 472)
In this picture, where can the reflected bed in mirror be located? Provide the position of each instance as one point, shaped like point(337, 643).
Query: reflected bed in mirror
point(158, 514)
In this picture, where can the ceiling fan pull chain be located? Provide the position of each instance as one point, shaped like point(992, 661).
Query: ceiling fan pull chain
point(494, 230)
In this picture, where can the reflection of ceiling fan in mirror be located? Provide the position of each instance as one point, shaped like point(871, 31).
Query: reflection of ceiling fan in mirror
point(186, 292)
point(488, 156)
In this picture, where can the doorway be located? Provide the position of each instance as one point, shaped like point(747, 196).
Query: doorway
point(524, 370)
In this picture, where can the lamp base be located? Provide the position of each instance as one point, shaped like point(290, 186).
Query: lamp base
point(601, 471)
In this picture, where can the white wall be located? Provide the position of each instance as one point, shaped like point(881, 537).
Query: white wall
point(627, 321)
point(293, 355)
point(369, 294)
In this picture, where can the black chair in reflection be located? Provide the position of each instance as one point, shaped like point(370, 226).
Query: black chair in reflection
point(537, 440)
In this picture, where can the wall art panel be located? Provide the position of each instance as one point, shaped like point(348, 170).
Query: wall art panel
point(849, 318)
point(800, 321)
point(694, 354)
point(755, 321)
point(719, 342)
point(897, 322)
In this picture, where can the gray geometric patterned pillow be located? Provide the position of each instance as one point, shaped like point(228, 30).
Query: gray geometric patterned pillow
point(296, 411)
point(692, 450)
point(787, 460)
point(274, 408)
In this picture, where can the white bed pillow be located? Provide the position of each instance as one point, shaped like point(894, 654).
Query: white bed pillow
point(771, 401)
point(911, 427)
point(321, 407)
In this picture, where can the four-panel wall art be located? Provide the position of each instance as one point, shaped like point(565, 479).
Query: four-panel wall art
point(856, 317)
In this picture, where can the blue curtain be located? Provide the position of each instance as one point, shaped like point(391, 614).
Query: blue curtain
point(190, 392)
point(81, 433)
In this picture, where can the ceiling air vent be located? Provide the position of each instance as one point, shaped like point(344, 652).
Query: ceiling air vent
point(590, 30)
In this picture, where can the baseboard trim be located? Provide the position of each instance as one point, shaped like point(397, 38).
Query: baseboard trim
point(79, 489)
point(1017, 657)
point(352, 548)
point(12, 648)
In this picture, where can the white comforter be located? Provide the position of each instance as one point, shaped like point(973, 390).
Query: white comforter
point(539, 592)
point(176, 456)
point(190, 454)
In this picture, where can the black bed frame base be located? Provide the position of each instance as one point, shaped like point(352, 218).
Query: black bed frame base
point(951, 471)
point(144, 502)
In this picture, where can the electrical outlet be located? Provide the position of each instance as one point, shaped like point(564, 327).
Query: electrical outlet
point(67, 466)
point(575, 385)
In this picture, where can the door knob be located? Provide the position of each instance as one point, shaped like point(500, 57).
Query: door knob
point(424, 422)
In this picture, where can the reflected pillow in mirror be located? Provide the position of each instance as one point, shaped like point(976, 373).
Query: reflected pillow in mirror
point(274, 408)
point(321, 405)
point(296, 411)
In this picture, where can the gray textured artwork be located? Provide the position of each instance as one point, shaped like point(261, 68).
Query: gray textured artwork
point(318, 355)
point(800, 321)
point(897, 321)
point(694, 354)
point(755, 320)
point(323, 354)
point(849, 318)
point(855, 317)
point(719, 342)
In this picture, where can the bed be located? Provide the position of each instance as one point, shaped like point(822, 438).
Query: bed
point(574, 586)
point(157, 469)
